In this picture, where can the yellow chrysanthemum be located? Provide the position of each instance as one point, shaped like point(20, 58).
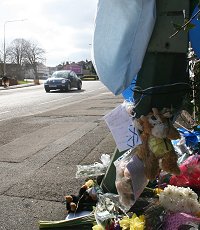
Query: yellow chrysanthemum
point(137, 223)
point(125, 223)
point(133, 223)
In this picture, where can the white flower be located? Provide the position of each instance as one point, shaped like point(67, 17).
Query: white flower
point(172, 206)
point(169, 190)
point(166, 201)
point(183, 206)
point(179, 195)
point(179, 199)
point(193, 205)
point(162, 198)
point(190, 193)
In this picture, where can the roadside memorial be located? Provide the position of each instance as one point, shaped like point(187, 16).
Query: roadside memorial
point(152, 180)
point(163, 203)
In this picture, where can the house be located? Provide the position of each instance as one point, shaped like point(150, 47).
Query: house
point(43, 72)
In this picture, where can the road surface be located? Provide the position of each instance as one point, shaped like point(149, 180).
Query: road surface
point(43, 137)
point(33, 100)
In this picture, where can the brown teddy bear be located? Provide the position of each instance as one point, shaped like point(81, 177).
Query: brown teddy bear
point(156, 150)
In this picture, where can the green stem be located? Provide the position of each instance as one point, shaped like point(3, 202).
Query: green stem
point(183, 26)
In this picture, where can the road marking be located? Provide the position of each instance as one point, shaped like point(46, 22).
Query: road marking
point(5, 112)
point(107, 93)
point(54, 100)
point(90, 91)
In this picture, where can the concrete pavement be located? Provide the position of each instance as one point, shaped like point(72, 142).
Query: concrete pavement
point(17, 86)
point(38, 168)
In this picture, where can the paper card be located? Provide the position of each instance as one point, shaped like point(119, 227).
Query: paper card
point(121, 126)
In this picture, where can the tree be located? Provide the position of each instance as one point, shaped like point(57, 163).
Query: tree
point(89, 65)
point(25, 53)
point(1, 62)
point(16, 54)
point(33, 55)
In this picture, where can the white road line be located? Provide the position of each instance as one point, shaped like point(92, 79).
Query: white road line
point(90, 91)
point(5, 112)
point(107, 93)
point(54, 100)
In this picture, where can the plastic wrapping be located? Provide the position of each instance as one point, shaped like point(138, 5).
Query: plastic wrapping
point(130, 178)
point(105, 209)
point(96, 169)
point(123, 180)
point(190, 173)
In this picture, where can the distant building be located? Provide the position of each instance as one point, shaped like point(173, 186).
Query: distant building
point(52, 70)
point(43, 72)
point(78, 69)
point(14, 71)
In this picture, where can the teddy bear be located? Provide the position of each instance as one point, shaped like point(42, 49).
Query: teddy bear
point(84, 201)
point(123, 182)
point(143, 163)
point(130, 178)
point(156, 150)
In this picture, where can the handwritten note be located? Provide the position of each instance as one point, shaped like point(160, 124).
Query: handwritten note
point(121, 126)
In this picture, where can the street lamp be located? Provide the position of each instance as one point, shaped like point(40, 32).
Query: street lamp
point(4, 43)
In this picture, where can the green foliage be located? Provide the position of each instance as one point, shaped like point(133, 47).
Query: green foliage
point(23, 82)
point(154, 216)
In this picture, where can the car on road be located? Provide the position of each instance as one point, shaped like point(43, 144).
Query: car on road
point(63, 80)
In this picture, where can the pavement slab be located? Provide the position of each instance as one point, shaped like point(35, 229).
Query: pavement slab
point(19, 213)
point(39, 166)
point(39, 140)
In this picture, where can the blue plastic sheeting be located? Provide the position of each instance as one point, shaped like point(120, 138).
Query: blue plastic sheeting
point(194, 34)
point(128, 93)
point(192, 138)
point(121, 36)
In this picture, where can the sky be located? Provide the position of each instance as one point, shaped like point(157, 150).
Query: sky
point(63, 28)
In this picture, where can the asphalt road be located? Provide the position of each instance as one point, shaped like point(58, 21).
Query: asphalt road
point(33, 100)
point(43, 138)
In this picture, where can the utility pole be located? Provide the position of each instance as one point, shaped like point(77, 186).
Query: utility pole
point(4, 42)
point(165, 62)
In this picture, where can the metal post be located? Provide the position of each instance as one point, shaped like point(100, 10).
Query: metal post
point(4, 50)
point(4, 43)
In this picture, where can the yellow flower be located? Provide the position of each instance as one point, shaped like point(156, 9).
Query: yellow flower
point(158, 190)
point(98, 227)
point(133, 223)
point(137, 223)
point(125, 223)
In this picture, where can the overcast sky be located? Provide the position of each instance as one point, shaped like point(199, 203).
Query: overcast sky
point(64, 28)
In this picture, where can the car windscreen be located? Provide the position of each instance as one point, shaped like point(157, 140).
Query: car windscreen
point(60, 75)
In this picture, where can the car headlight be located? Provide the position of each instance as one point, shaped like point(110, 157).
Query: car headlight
point(63, 81)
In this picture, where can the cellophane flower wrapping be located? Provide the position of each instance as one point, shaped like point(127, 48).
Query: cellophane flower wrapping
point(190, 173)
